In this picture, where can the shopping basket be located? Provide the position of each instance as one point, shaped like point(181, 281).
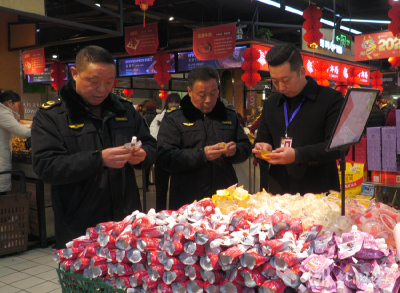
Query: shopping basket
point(75, 283)
point(14, 218)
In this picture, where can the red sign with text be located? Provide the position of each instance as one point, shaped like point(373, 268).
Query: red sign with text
point(34, 61)
point(263, 53)
point(141, 40)
point(217, 42)
point(376, 46)
point(364, 74)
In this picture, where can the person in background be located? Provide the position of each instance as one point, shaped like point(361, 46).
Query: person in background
point(200, 141)
point(10, 102)
point(78, 147)
point(162, 176)
point(296, 126)
point(391, 120)
point(385, 106)
point(149, 112)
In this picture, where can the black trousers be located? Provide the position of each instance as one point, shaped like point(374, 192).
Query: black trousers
point(162, 183)
point(264, 176)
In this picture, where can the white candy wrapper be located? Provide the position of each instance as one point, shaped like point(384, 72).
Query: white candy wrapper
point(134, 144)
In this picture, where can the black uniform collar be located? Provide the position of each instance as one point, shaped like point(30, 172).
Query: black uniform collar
point(192, 113)
point(77, 107)
point(309, 91)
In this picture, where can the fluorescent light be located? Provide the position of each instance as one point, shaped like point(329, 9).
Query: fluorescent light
point(328, 22)
point(171, 18)
point(366, 20)
point(98, 4)
point(345, 28)
point(395, 98)
point(270, 2)
point(55, 56)
point(293, 10)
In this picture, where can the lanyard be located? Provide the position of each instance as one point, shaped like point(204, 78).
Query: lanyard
point(287, 121)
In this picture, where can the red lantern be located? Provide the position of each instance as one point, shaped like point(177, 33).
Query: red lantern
point(341, 86)
point(321, 73)
point(163, 95)
point(395, 61)
point(353, 79)
point(58, 75)
point(394, 15)
point(161, 67)
point(250, 76)
point(144, 5)
point(376, 81)
point(128, 93)
point(312, 14)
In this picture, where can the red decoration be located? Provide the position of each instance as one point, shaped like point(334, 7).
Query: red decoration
point(341, 86)
point(250, 76)
point(395, 61)
point(128, 93)
point(376, 81)
point(58, 75)
point(115, 83)
point(353, 79)
point(144, 5)
point(163, 95)
point(312, 14)
point(394, 15)
point(321, 73)
point(161, 67)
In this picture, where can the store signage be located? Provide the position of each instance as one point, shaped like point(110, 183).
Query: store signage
point(141, 65)
point(363, 75)
point(263, 53)
point(147, 83)
point(217, 42)
point(342, 40)
point(188, 60)
point(330, 45)
point(34, 61)
point(44, 76)
point(376, 46)
point(141, 40)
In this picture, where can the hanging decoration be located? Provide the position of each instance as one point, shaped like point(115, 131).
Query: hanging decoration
point(312, 14)
point(58, 75)
point(353, 79)
point(144, 5)
point(321, 73)
point(161, 67)
point(376, 81)
point(250, 76)
point(163, 95)
point(128, 93)
point(341, 86)
point(115, 83)
point(395, 61)
point(394, 15)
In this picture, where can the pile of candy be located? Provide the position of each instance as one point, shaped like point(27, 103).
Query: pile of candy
point(199, 249)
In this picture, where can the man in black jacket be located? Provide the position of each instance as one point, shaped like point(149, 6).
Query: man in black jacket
point(296, 126)
point(78, 147)
point(199, 142)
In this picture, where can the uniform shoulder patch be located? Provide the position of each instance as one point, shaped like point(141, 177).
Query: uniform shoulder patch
point(50, 104)
point(173, 109)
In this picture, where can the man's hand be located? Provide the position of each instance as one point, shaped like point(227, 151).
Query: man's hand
point(230, 149)
point(214, 151)
point(115, 157)
point(137, 156)
point(261, 146)
point(282, 156)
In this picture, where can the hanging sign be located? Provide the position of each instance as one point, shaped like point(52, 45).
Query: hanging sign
point(217, 42)
point(141, 40)
point(364, 74)
point(34, 61)
point(376, 46)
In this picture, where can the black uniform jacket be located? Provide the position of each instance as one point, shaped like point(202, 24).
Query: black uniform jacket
point(183, 135)
point(315, 169)
point(67, 140)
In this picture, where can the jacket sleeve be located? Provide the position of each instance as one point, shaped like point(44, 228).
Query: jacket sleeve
point(149, 144)
point(316, 154)
point(9, 123)
point(243, 146)
point(172, 156)
point(52, 161)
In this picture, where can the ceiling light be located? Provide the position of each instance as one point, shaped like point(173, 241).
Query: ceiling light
point(366, 20)
point(395, 98)
point(294, 10)
point(98, 3)
point(171, 18)
point(327, 22)
point(345, 28)
point(270, 2)
point(55, 56)
point(38, 30)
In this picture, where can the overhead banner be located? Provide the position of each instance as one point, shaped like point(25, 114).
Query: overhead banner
point(34, 61)
point(141, 40)
point(217, 42)
point(376, 46)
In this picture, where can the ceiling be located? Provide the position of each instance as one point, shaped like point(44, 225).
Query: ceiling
point(104, 26)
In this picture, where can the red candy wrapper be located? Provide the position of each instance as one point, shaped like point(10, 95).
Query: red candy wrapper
point(280, 221)
point(124, 269)
point(235, 277)
point(211, 288)
point(107, 240)
point(174, 276)
point(147, 244)
point(66, 264)
point(188, 259)
point(97, 260)
point(232, 254)
point(80, 241)
point(104, 227)
point(291, 277)
point(190, 231)
point(193, 271)
point(152, 232)
point(137, 278)
point(271, 247)
point(179, 286)
point(91, 233)
point(136, 256)
point(153, 257)
point(252, 278)
point(173, 263)
point(210, 262)
point(72, 252)
point(149, 283)
point(296, 225)
point(272, 286)
point(123, 282)
point(268, 270)
point(81, 263)
point(164, 288)
point(58, 256)
point(91, 250)
point(192, 248)
point(195, 286)
point(201, 237)
point(252, 259)
point(283, 260)
point(111, 255)
point(174, 248)
point(228, 287)
point(98, 271)
point(126, 241)
point(213, 277)
point(156, 272)
point(122, 256)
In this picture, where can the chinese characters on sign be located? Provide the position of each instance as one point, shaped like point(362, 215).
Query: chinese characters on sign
point(330, 45)
point(214, 42)
point(263, 53)
point(34, 61)
point(140, 40)
point(376, 46)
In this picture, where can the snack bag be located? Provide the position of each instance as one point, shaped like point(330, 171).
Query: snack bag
point(134, 144)
point(354, 177)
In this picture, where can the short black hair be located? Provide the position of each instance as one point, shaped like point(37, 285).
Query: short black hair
point(9, 95)
point(93, 54)
point(172, 98)
point(281, 54)
point(202, 73)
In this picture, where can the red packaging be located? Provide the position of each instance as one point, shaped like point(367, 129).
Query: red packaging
point(121, 256)
point(310, 233)
point(137, 267)
point(228, 287)
point(139, 224)
point(291, 277)
point(149, 283)
point(136, 256)
point(107, 240)
point(170, 277)
point(271, 247)
point(179, 286)
point(243, 224)
point(268, 270)
point(210, 262)
point(192, 248)
point(99, 271)
point(208, 206)
point(147, 244)
point(213, 277)
point(91, 233)
point(58, 256)
point(280, 221)
point(284, 234)
point(137, 278)
point(188, 259)
point(72, 252)
point(190, 231)
point(252, 278)
point(111, 255)
point(126, 241)
point(179, 237)
point(296, 225)
point(96, 260)
point(232, 254)
point(252, 259)
point(152, 257)
point(123, 282)
point(156, 272)
point(193, 271)
point(283, 260)
point(174, 248)
point(272, 286)
point(81, 263)
point(201, 237)
point(104, 227)
point(235, 277)
point(80, 241)
point(173, 263)
point(124, 269)
point(164, 288)
point(66, 264)
point(152, 232)
point(211, 288)
point(90, 250)
point(195, 286)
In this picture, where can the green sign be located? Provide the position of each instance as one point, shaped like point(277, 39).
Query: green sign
point(342, 39)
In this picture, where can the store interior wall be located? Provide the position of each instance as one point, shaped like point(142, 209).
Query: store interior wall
point(238, 100)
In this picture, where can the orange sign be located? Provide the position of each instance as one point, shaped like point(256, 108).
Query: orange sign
point(376, 46)
point(263, 53)
point(141, 40)
point(217, 42)
point(34, 61)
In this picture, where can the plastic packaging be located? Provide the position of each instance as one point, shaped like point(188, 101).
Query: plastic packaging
point(134, 144)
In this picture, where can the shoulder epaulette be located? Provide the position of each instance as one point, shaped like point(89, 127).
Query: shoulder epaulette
point(173, 109)
point(50, 104)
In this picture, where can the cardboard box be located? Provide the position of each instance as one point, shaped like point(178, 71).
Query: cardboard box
point(374, 148)
point(376, 176)
point(360, 152)
point(388, 177)
point(389, 155)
